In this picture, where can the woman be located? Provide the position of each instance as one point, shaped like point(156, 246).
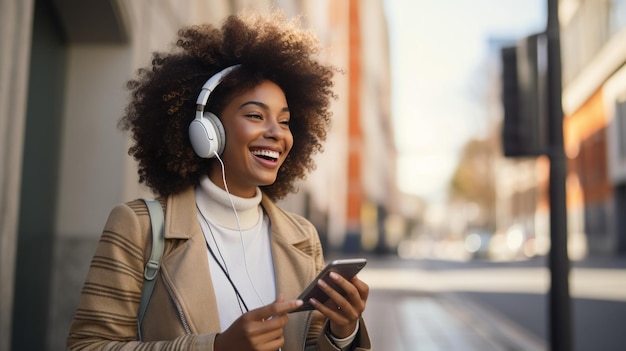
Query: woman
point(222, 128)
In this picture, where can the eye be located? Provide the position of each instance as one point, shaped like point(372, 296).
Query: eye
point(254, 116)
point(285, 122)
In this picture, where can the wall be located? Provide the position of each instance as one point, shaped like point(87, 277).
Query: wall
point(15, 29)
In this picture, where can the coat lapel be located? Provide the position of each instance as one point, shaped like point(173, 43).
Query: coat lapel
point(186, 268)
point(290, 261)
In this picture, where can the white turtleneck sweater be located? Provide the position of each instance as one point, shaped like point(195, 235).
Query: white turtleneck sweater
point(241, 244)
point(242, 247)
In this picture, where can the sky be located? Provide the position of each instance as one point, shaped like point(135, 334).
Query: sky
point(437, 50)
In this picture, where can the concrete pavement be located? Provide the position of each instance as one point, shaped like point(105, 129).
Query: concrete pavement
point(402, 320)
point(429, 305)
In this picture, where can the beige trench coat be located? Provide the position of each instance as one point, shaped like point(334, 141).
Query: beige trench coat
point(182, 314)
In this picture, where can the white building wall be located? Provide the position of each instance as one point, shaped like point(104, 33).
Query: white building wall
point(91, 179)
point(378, 154)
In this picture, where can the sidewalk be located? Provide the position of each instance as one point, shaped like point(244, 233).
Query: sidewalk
point(409, 321)
point(431, 305)
point(413, 306)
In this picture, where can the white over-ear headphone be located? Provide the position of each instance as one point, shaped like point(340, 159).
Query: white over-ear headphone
point(206, 132)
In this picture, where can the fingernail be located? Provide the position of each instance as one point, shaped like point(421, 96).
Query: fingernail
point(334, 275)
point(299, 302)
point(322, 283)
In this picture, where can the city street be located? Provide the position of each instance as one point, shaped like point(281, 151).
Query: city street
point(435, 305)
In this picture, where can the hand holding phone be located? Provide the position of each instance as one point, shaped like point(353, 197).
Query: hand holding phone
point(347, 268)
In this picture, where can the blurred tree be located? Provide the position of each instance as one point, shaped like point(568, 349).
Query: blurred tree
point(473, 179)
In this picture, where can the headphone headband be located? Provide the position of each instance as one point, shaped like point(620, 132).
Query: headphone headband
point(206, 133)
point(210, 85)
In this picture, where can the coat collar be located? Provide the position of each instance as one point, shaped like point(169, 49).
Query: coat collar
point(182, 221)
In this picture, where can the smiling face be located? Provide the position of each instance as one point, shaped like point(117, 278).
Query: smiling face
point(258, 139)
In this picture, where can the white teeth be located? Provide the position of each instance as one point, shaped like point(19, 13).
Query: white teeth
point(266, 153)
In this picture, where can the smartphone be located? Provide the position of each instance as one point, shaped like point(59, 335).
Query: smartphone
point(347, 268)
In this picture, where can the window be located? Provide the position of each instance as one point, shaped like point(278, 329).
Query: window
point(620, 121)
point(617, 16)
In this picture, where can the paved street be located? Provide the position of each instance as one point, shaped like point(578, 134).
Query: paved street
point(437, 305)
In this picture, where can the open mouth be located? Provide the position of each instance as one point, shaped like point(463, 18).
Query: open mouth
point(266, 154)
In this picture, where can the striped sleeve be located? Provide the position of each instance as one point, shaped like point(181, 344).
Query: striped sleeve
point(106, 316)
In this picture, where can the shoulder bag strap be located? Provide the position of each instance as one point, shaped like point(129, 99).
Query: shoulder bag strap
point(152, 267)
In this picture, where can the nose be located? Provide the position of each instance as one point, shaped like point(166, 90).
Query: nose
point(274, 129)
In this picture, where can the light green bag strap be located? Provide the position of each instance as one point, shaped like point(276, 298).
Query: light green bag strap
point(152, 267)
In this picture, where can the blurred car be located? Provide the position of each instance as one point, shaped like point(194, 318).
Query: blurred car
point(477, 244)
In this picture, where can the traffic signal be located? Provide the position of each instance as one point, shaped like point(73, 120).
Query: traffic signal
point(524, 93)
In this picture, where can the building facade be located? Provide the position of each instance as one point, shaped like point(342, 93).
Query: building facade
point(594, 94)
point(593, 60)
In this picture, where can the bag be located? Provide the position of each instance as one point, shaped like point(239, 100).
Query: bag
point(152, 267)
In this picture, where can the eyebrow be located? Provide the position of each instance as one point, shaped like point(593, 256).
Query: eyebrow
point(262, 105)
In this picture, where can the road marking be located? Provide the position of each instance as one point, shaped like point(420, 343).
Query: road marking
point(591, 283)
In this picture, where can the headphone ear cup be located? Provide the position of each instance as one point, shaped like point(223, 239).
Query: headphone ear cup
point(219, 131)
point(207, 135)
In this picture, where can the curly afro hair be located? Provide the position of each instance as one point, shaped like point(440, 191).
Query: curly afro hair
point(164, 95)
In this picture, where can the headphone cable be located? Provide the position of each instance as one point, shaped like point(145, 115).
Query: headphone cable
point(224, 269)
point(243, 249)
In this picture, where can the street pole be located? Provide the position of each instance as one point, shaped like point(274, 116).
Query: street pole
point(559, 300)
